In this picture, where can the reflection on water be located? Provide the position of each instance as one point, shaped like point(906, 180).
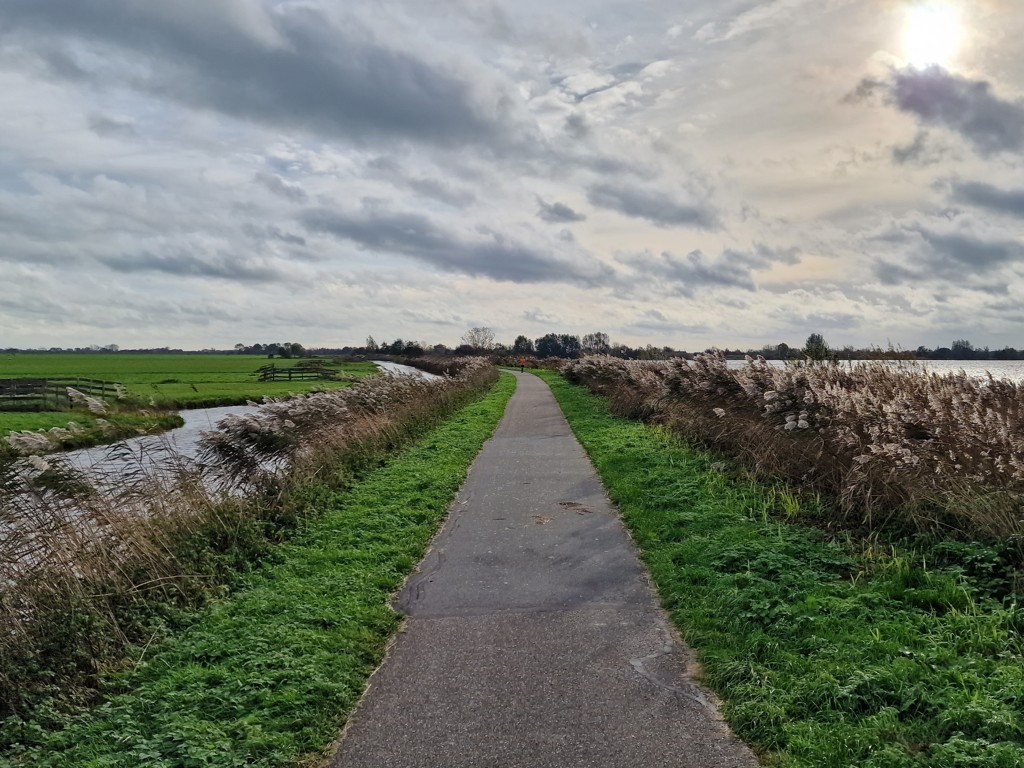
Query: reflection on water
point(394, 368)
point(152, 449)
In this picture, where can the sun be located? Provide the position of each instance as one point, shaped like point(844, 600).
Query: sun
point(933, 34)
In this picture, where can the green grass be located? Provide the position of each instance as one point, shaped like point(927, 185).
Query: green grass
point(155, 382)
point(17, 422)
point(827, 654)
point(120, 425)
point(172, 381)
point(267, 677)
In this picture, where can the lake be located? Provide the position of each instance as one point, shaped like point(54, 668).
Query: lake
point(1000, 369)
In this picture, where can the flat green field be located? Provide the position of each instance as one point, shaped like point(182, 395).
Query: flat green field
point(173, 381)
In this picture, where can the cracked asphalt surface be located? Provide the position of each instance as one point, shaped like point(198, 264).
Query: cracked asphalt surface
point(533, 637)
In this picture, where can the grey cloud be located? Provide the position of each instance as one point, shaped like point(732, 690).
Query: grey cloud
point(541, 317)
point(657, 207)
point(288, 190)
point(658, 322)
point(864, 90)
point(604, 164)
point(286, 237)
point(105, 125)
point(442, 318)
point(621, 73)
point(58, 63)
point(442, 192)
point(967, 107)
point(576, 126)
point(432, 188)
point(760, 16)
point(835, 320)
point(914, 152)
point(891, 273)
point(762, 256)
point(685, 275)
point(36, 305)
point(289, 66)
point(493, 255)
point(958, 252)
point(273, 233)
point(961, 257)
point(983, 195)
point(182, 264)
point(558, 213)
point(544, 32)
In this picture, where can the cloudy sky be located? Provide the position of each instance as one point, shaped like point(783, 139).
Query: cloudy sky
point(198, 173)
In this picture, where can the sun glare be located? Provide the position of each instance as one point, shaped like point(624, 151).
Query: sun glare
point(933, 34)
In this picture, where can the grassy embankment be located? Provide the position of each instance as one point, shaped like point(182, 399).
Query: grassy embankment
point(828, 653)
point(267, 677)
point(119, 425)
point(155, 385)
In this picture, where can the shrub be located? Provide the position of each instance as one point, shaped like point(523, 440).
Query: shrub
point(888, 442)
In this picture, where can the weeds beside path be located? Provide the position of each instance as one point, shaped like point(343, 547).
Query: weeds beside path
point(267, 677)
point(827, 655)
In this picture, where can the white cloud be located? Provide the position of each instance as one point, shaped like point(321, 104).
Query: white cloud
point(388, 168)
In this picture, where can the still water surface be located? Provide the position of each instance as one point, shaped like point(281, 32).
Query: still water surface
point(150, 450)
point(184, 441)
point(1001, 369)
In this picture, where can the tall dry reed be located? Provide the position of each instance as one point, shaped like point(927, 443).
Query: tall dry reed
point(891, 443)
point(92, 563)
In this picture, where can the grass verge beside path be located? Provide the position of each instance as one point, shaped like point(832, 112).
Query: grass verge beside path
point(267, 677)
point(827, 655)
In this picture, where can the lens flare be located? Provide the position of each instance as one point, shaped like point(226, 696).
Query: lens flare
point(933, 34)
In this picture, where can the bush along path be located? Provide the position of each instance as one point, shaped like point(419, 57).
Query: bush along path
point(827, 654)
point(267, 677)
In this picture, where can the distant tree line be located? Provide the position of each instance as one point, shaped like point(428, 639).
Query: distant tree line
point(818, 349)
point(481, 341)
point(961, 349)
point(285, 349)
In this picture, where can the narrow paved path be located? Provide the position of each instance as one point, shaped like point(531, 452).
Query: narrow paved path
point(533, 638)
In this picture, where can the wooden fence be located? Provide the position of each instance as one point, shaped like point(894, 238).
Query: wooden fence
point(306, 370)
point(50, 394)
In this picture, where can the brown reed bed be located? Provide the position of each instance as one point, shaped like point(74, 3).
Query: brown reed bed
point(91, 566)
point(890, 445)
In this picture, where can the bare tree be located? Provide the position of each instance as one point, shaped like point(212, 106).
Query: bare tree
point(479, 338)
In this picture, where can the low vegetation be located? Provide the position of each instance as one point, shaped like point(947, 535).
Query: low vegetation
point(91, 566)
point(829, 651)
point(77, 429)
point(892, 446)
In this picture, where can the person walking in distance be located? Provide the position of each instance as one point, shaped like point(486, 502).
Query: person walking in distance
point(522, 364)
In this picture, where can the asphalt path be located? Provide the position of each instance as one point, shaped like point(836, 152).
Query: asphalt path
point(533, 637)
